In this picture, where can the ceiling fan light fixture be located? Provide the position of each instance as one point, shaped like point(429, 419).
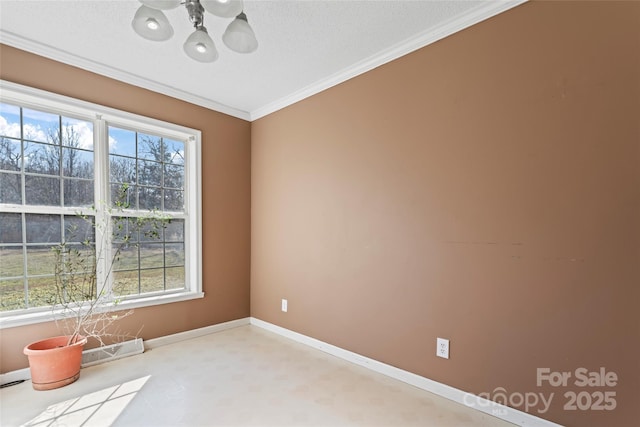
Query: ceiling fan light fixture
point(239, 35)
point(161, 4)
point(151, 24)
point(200, 46)
point(223, 8)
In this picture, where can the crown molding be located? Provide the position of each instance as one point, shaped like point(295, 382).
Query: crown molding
point(11, 39)
point(485, 11)
point(478, 14)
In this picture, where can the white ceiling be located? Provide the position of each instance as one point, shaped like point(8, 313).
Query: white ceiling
point(305, 46)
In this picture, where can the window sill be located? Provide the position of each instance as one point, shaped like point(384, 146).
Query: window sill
point(24, 319)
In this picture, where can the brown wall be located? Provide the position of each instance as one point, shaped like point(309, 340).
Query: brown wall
point(485, 189)
point(226, 161)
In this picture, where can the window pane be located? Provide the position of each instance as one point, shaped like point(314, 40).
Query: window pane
point(42, 158)
point(174, 231)
point(124, 229)
point(78, 192)
point(77, 133)
point(152, 280)
point(150, 147)
point(175, 278)
point(41, 126)
point(43, 228)
point(40, 260)
point(78, 229)
point(151, 229)
point(124, 196)
point(126, 283)
point(149, 198)
point(10, 228)
point(174, 254)
point(174, 151)
point(10, 154)
point(151, 255)
point(10, 120)
point(42, 191)
point(77, 265)
point(173, 200)
point(122, 141)
point(10, 191)
point(125, 257)
point(149, 173)
point(11, 294)
point(77, 163)
point(173, 176)
point(12, 261)
point(122, 169)
point(41, 291)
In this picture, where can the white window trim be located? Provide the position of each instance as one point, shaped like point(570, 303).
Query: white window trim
point(101, 115)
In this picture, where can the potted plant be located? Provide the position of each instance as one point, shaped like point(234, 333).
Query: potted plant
point(83, 301)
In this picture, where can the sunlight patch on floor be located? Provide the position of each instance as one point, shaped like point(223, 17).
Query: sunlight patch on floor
point(100, 408)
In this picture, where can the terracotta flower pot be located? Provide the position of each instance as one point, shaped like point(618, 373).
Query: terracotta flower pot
point(53, 363)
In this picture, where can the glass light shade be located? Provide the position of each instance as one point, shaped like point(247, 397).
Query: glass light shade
point(223, 8)
point(161, 4)
point(152, 24)
point(239, 36)
point(200, 47)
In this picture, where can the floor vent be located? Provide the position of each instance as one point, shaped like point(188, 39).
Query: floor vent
point(111, 352)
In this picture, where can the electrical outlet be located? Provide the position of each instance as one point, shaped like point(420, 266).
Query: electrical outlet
point(284, 305)
point(442, 348)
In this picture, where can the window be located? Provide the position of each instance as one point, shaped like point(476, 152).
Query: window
point(61, 158)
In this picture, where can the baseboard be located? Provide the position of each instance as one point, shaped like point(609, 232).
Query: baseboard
point(15, 376)
point(494, 409)
point(194, 333)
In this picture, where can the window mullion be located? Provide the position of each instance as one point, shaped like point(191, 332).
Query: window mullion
point(25, 283)
point(102, 216)
point(60, 162)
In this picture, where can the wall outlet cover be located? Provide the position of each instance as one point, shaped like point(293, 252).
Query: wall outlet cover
point(442, 348)
point(284, 305)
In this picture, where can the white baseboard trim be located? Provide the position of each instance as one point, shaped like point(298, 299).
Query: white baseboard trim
point(15, 376)
point(478, 403)
point(194, 333)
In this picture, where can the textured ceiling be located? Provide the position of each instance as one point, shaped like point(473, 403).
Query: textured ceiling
point(304, 46)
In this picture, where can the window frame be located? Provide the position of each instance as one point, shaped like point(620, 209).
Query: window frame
point(102, 117)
